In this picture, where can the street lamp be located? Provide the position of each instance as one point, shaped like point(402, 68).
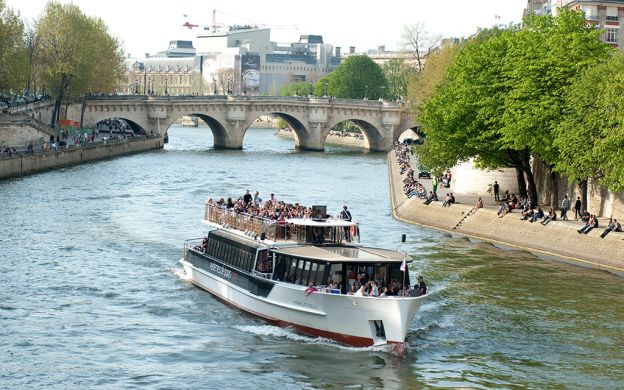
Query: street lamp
point(297, 89)
point(383, 87)
point(325, 89)
point(229, 86)
point(166, 93)
point(366, 92)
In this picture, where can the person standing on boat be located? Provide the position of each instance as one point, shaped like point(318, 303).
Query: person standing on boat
point(346, 215)
point(247, 198)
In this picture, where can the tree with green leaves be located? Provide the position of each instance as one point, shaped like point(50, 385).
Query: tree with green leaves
point(77, 54)
point(303, 88)
point(420, 86)
point(504, 95)
point(590, 138)
point(462, 117)
point(543, 60)
point(397, 73)
point(357, 77)
point(12, 55)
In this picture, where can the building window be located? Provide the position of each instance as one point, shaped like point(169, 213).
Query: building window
point(611, 36)
point(612, 14)
point(591, 12)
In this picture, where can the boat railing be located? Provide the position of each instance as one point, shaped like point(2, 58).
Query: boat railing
point(192, 243)
point(250, 224)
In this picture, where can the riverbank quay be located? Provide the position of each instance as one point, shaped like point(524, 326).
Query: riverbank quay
point(23, 163)
point(332, 138)
point(558, 239)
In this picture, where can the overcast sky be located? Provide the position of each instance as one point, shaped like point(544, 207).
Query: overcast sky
point(147, 26)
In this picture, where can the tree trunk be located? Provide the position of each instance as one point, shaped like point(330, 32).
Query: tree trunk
point(554, 188)
point(526, 166)
point(583, 187)
point(521, 182)
point(55, 113)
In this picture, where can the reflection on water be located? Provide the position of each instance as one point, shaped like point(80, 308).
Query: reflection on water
point(93, 296)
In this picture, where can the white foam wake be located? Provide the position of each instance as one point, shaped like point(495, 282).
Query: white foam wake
point(179, 272)
point(290, 334)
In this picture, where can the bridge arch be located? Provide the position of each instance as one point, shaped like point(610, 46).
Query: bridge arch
point(374, 139)
point(118, 125)
point(295, 122)
point(222, 137)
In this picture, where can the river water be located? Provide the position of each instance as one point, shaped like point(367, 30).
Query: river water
point(92, 294)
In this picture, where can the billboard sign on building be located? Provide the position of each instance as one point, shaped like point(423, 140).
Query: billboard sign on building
point(250, 72)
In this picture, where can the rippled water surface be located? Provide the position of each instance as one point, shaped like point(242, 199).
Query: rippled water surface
point(92, 294)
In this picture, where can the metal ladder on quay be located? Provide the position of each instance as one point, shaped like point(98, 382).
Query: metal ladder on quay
point(468, 214)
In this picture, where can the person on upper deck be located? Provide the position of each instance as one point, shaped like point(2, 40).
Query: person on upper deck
point(247, 198)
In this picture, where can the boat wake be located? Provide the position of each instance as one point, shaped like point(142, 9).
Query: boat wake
point(179, 272)
point(287, 333)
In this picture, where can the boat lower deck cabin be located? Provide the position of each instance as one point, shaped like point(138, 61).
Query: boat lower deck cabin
point(342, 266)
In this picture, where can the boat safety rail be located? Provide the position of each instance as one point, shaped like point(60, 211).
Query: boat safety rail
point(192, 243)
point(247, 223)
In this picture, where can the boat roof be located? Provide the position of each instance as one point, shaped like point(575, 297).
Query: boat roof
point(344, 254)
point(329, 222)
point(241, 240)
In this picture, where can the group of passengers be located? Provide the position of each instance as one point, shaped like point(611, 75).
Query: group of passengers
point(271, 209)
point(373, 288)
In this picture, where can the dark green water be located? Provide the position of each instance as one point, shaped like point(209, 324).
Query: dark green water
point(91, 293)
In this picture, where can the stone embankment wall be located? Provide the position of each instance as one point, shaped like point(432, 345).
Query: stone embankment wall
point(558, 239)
point(20, 134)
point(601, 201)
point(29, 164)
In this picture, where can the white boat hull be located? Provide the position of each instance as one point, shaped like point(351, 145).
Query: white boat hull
point(352, 320)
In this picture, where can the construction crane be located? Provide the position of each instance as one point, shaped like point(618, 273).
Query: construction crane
point(216, 25)
point(189, 25)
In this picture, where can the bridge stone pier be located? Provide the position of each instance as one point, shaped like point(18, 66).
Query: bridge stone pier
point(230, 116)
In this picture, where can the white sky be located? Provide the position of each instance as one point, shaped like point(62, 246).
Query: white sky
point(147, 26)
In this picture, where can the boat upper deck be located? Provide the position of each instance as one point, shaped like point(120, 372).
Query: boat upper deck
point(281, 230)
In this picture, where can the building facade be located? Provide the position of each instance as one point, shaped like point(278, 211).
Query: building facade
point(605, 14)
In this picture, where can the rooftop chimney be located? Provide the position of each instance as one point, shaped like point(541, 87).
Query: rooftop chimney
point(352, 49)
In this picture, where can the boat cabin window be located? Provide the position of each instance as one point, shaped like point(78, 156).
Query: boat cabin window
point(231, 252)
point(264, 263)
point(298, 271)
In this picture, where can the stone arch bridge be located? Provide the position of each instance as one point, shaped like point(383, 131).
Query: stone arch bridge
point(230, 116)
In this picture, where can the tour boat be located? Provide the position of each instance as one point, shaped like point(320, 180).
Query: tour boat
point(281, 272)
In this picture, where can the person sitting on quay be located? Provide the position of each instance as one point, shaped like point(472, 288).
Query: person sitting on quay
point(432, 196)
point(552, 216)
point(503, 209)
point(506, 197)
point(537, 215)
point(614, 226)
point(592, 223)
point(585, 216)
point(526, 213)
point(479, 204)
